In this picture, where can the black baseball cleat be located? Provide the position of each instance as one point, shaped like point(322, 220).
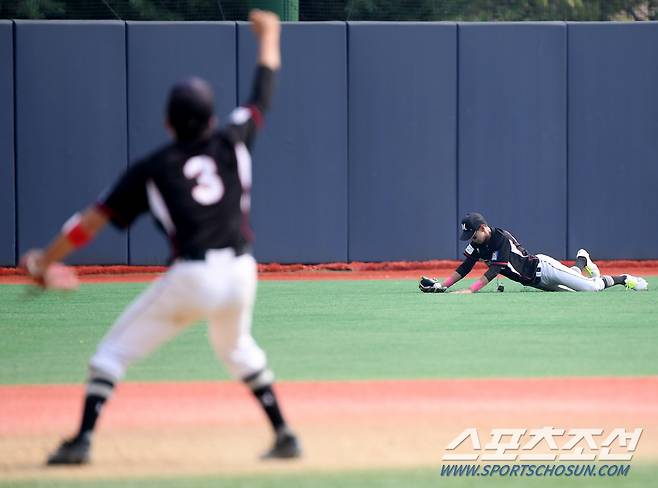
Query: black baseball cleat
point(72, 451)
point(286, 446)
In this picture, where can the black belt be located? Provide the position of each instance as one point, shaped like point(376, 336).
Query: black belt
point(200, 255)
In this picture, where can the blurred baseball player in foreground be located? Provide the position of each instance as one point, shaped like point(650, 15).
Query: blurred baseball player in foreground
point(197, 188)
point(504, 255)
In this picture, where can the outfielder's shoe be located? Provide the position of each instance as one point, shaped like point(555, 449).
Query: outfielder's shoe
point(635, 283)
point(286, 446)
point(72, 451)
point(590, 269)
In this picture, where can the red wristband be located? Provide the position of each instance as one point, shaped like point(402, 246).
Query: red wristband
point(477, 286)
point(74, 232)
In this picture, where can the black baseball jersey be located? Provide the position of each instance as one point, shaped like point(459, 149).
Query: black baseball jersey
point(503, 254)
point(197, 191)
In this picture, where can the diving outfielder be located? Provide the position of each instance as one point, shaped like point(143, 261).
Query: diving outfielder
point(197, 188)
point(504, 255)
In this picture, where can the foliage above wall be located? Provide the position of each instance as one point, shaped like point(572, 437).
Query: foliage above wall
point(401, 10)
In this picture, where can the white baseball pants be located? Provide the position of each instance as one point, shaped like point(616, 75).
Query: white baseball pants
point(221, 289)
point(554, 276)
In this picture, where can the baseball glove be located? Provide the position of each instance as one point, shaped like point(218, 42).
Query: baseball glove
point(429, 285)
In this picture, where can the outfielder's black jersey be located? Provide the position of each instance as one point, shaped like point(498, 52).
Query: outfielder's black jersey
point(198, 191)
point(503, 254)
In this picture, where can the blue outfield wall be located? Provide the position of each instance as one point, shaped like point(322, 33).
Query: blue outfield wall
point(159, 55)
point(70, 127)
point(613, 139)
point(402, 138)
point(299, 198)
point(7, 183)
point(512, 133)
point(380, 136)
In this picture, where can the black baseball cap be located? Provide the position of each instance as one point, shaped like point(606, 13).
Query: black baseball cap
point(470, 223)
point(191, 104)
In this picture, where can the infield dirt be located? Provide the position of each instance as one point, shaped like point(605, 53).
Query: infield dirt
point(215, 428)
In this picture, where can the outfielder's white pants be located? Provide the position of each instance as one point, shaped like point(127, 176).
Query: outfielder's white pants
point(221, 289)
point(555, 276)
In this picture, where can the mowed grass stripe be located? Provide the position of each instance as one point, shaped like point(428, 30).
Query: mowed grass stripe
point(639, 476)
point(353, 330)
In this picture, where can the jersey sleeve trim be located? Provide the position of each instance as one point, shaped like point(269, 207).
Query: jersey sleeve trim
point(256, 115)
point(240, 115)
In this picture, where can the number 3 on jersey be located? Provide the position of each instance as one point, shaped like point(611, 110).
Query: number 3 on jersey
point(209, 188)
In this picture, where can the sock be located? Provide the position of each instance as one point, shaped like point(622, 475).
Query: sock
point(614, 280)
point(98, 391)
point(261, 386)
point(581, 262)
point(268, 401)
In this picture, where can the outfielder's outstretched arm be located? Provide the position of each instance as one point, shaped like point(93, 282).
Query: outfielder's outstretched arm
point(429, 285)
point(452, 279)
point(464, 268)
point(491, 273)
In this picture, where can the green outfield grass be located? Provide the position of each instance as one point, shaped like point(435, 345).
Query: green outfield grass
point(314, 330)
point(638, 477)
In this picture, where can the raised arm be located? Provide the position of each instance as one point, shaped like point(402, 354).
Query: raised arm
point(267, 29)
point(248, 118)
